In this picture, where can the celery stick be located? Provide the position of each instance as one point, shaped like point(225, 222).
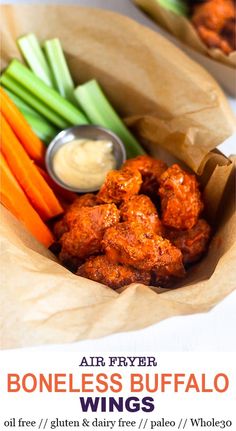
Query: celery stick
point(34, 56)
point(41, 128)
point(61, 73)
point(177, 6)
point(100, 112)
point(40, 107)
point(47, 95)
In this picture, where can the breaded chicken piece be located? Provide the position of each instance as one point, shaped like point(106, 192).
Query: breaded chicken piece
point(87, 200)
point(85, 235)
point(151, 169)
point(59, 228)
point(62, 226)
point(128, 243)
point(120, 186)
point(213, 14)
point(229, 32)
point(180, 198)
point(214, 40)
point(210, 19)
point(141, 209)
point(193, 242)
point(115, 275)
point(166, 282)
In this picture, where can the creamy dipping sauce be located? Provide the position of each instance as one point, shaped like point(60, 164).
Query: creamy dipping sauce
point(84, 163)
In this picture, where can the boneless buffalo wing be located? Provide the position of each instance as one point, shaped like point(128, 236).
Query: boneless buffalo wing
point(180, 198)
point(140, 208)
point(115, 275)
point(84, 237)
point(120, 185)
point(151, 171)
point(130, 244)
point(215, 23)
point(119, 236)
point(61, 226)
point(192, 242)
point(87, 200)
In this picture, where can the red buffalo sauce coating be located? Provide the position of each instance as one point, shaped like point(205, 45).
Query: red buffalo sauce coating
point(85, 235)
point(130, 244)
point(151, 170)
point(115, 275)
point(192, 242)
point(215, 21)
point(181, 202)
point(117, 237)
point(120, 186)
point(140, 209)
point(72, 213)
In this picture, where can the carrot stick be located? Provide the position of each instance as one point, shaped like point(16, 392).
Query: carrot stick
point(32, 144)
point(14, 199)
point(27, 174)
point(66, 195)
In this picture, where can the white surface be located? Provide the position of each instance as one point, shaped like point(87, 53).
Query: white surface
point(214, 331)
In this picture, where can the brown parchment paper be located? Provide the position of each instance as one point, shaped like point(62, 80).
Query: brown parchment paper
point(179, 111)
point(182, 28)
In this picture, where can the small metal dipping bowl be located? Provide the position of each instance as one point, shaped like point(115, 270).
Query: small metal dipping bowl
point(90, 132)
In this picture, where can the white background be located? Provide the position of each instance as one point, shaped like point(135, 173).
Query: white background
point(214, 331)
point(168, 404)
